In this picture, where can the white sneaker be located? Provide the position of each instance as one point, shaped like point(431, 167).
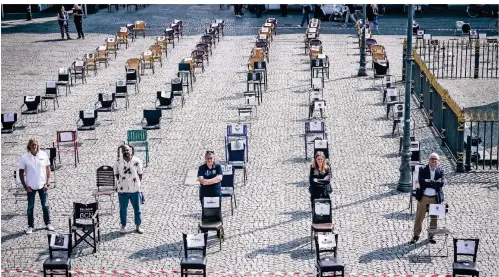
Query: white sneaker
point(139, 229)
point(50, 227)
point(123, 229)
point(29, 230)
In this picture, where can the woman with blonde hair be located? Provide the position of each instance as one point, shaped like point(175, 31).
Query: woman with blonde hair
point(319, 178)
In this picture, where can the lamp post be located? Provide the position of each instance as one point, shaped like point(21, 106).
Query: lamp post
point(404, 184)
point(362, 68)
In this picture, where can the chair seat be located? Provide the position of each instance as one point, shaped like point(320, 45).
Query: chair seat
point(49, 96)
point(463, 267)
point(237, 164)
point(103, 192)
point(439, 231)
point(62, 83)
point(57, 263)
point(121, 95)
point(30, 112)
point(86, 128)
point(227, 191)
point(211, 225)
point(164, 107)
point(322, 227)
point(379, 76)
point(193, 262)
point(151, 126)
point(105, 109)
point(7, 130)
point(82, 226)
point(330, 264)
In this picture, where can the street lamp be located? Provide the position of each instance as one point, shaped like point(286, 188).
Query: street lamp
point(362, 68)
point(404, 184)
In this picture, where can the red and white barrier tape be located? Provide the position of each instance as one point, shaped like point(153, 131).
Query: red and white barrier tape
point(241, 273)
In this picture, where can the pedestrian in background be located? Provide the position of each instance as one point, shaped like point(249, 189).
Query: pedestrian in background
point(307, 10)
point(36, 166)
point(350, 15)
point(318, 13)
point(238, 10)
point(63, 18)
point(284, 10)
point(372, 16)
point(78, 18)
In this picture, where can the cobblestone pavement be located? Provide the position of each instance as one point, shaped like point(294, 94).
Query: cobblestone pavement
point(269, 230)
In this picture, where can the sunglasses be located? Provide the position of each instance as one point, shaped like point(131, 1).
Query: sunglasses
point(210, 152)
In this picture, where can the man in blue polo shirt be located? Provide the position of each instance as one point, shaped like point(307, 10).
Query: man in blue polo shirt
point(210, 177)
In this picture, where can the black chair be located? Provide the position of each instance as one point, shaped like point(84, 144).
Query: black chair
point(328, 264)
point(64, 79)
point(228, 189)
point(9, 121)
point(186, 74)
point(106, 184)
point(198, 57)
point(78, 70)
point(255, 79)
point(32, 104)
point(132, 78)
point(170, 36)
point(164, 101)
point(85, 224)
point(88, 120)
point(465, 247)
point(151, 120)
point(237, 156)
point(51, 94)
point(52, 154)
point(194, 254)
point(322, 219)
point(180, 24)
point(107, 102)
point(321, 145)
point(208, 40)
point(58, 243)
point(121, 92)
point(205, 48)
point(211, 217)
point(177, 89)
point(176, 31)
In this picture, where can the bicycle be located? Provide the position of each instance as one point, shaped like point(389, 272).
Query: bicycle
point(484, 10)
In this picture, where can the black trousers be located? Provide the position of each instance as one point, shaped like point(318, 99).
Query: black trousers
point(64, 28)
point(284, 10)
point(238, 9)
point(79, 28)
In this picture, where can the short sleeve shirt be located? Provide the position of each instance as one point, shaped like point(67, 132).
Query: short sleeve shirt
point(128, 174)
point(35, 169)
point(210, 173)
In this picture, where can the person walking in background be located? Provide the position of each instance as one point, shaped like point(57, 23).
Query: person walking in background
point(372, 17)
point(78, 18)
point(36, 166)
point(63, 18)
point(307, 9)
point(318, 13)
point(284, 10)
point(350, 15)
point(238, 10)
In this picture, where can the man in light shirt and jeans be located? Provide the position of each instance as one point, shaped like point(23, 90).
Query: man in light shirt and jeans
point(36, 166)
point(431, 181)
point(128, 170)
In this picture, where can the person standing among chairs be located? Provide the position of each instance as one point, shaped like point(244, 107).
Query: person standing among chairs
point(36, 166)
point(63, 18)
point(129, 170)
point(350, 15)
point(284, 10)
point(372, 16)
point(307, 10)
point(210, 177)
point(78, 18)
point(319, 178)
point(431, 180)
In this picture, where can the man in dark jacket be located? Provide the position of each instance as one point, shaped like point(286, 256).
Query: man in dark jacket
point(63, 18)
point(78, 18)
point(431, 179)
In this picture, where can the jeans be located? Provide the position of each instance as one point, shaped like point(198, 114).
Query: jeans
point(350, 16)
point(31, 205)
point(64, 28)
point(133, 197)
point(305, 19)
point(210, 191)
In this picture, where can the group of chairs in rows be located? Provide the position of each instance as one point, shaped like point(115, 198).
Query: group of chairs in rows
point(128, 7)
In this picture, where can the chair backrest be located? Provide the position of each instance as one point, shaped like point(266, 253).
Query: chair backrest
point(438, 210)
point(211, 209)
point(131, 74)
point(107, 99)
point(63, 74)
point(105, 177)
point(165, 98)
point(202, 46)
point(197, 54)
point(136, 135)
point(133, 63)
point(60, 243)
point(85, 211)
point(78, 65)
point(152, 117)
point(9, 119)
point(254, 76)
point(110, 42)
point(90, 57)
point(465, 247)
point(177, 83)
point(156, 49)
point(88, 117)
point(51, 87)
point(321, 211)
point(195, 243)
point(32, 102)
point(184, 67)
point(228, 172)
point(236, 150)
point(321, 145)
point(66, 136)
point(140, 25)
point(326, 243)
point(101, 51)
point(207, 39)
point(121, 86)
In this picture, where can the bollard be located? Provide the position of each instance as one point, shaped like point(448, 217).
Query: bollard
point(460, 142)
point(29, 17)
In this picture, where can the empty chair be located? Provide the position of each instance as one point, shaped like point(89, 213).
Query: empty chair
point(111, 46)
point(51, 94)
point(107, 102)
point(163, 42)
point(186, 73)
point(134, 63)
point(205, 48)
point(67, 141)
point(88, 120)
point(122, 37)
point(469, 248)
point(140, 27)
point(208, 40)
point(122, 92)
point(164, 101)
point(106, 184)
point(323, 146)
point(64, 79)
point(58, 243)
point(176, 31)
point(151, 119)
point(91, 62)
point(32, 104)
point(180, 24)
point(170, 36)
point(85, 224)
point(211, 217)
point(132, 78)
point(255, 79)
point(194, 254)
point(328, 264)
point(177, 89)
point(157, 53)
point(237, 155)
point(370, 42)
point(102, 55)
point(322, 220)
point(228, 185)
point(198, 57)
point(147, 61)
point(9, 121)
point(78, 70)
point(138, 140)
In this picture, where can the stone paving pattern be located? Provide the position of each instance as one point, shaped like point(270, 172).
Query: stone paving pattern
point(269, 230)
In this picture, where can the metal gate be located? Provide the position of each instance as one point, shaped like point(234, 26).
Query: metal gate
point(481, 141)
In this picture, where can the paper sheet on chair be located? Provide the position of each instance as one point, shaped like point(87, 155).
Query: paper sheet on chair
point(211, 202)
point(166, 94)
point(195, 240)
point(318, 105)
point(236, 129)
point(326, 241)
point(392, 92)
point(107, 97)
point(226, 169)
point(8, 117)
point(265, 30)
point(322, 209)
point(88, 114)
point(315, 126)
point(30, 98)
point(51, 84)
point(317, 83)
point(437, 209)
point(66, 136)
point(320, 144)
point(465, 247)
point(59, 241)
point(237, 145)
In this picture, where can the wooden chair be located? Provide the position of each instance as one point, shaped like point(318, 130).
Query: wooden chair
point(102, 56)
point(111, 46)
point(157, 53)
point(140, 26)
point(134, 63)
point(147, 60)
point(161, 40)
point(122, 36)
